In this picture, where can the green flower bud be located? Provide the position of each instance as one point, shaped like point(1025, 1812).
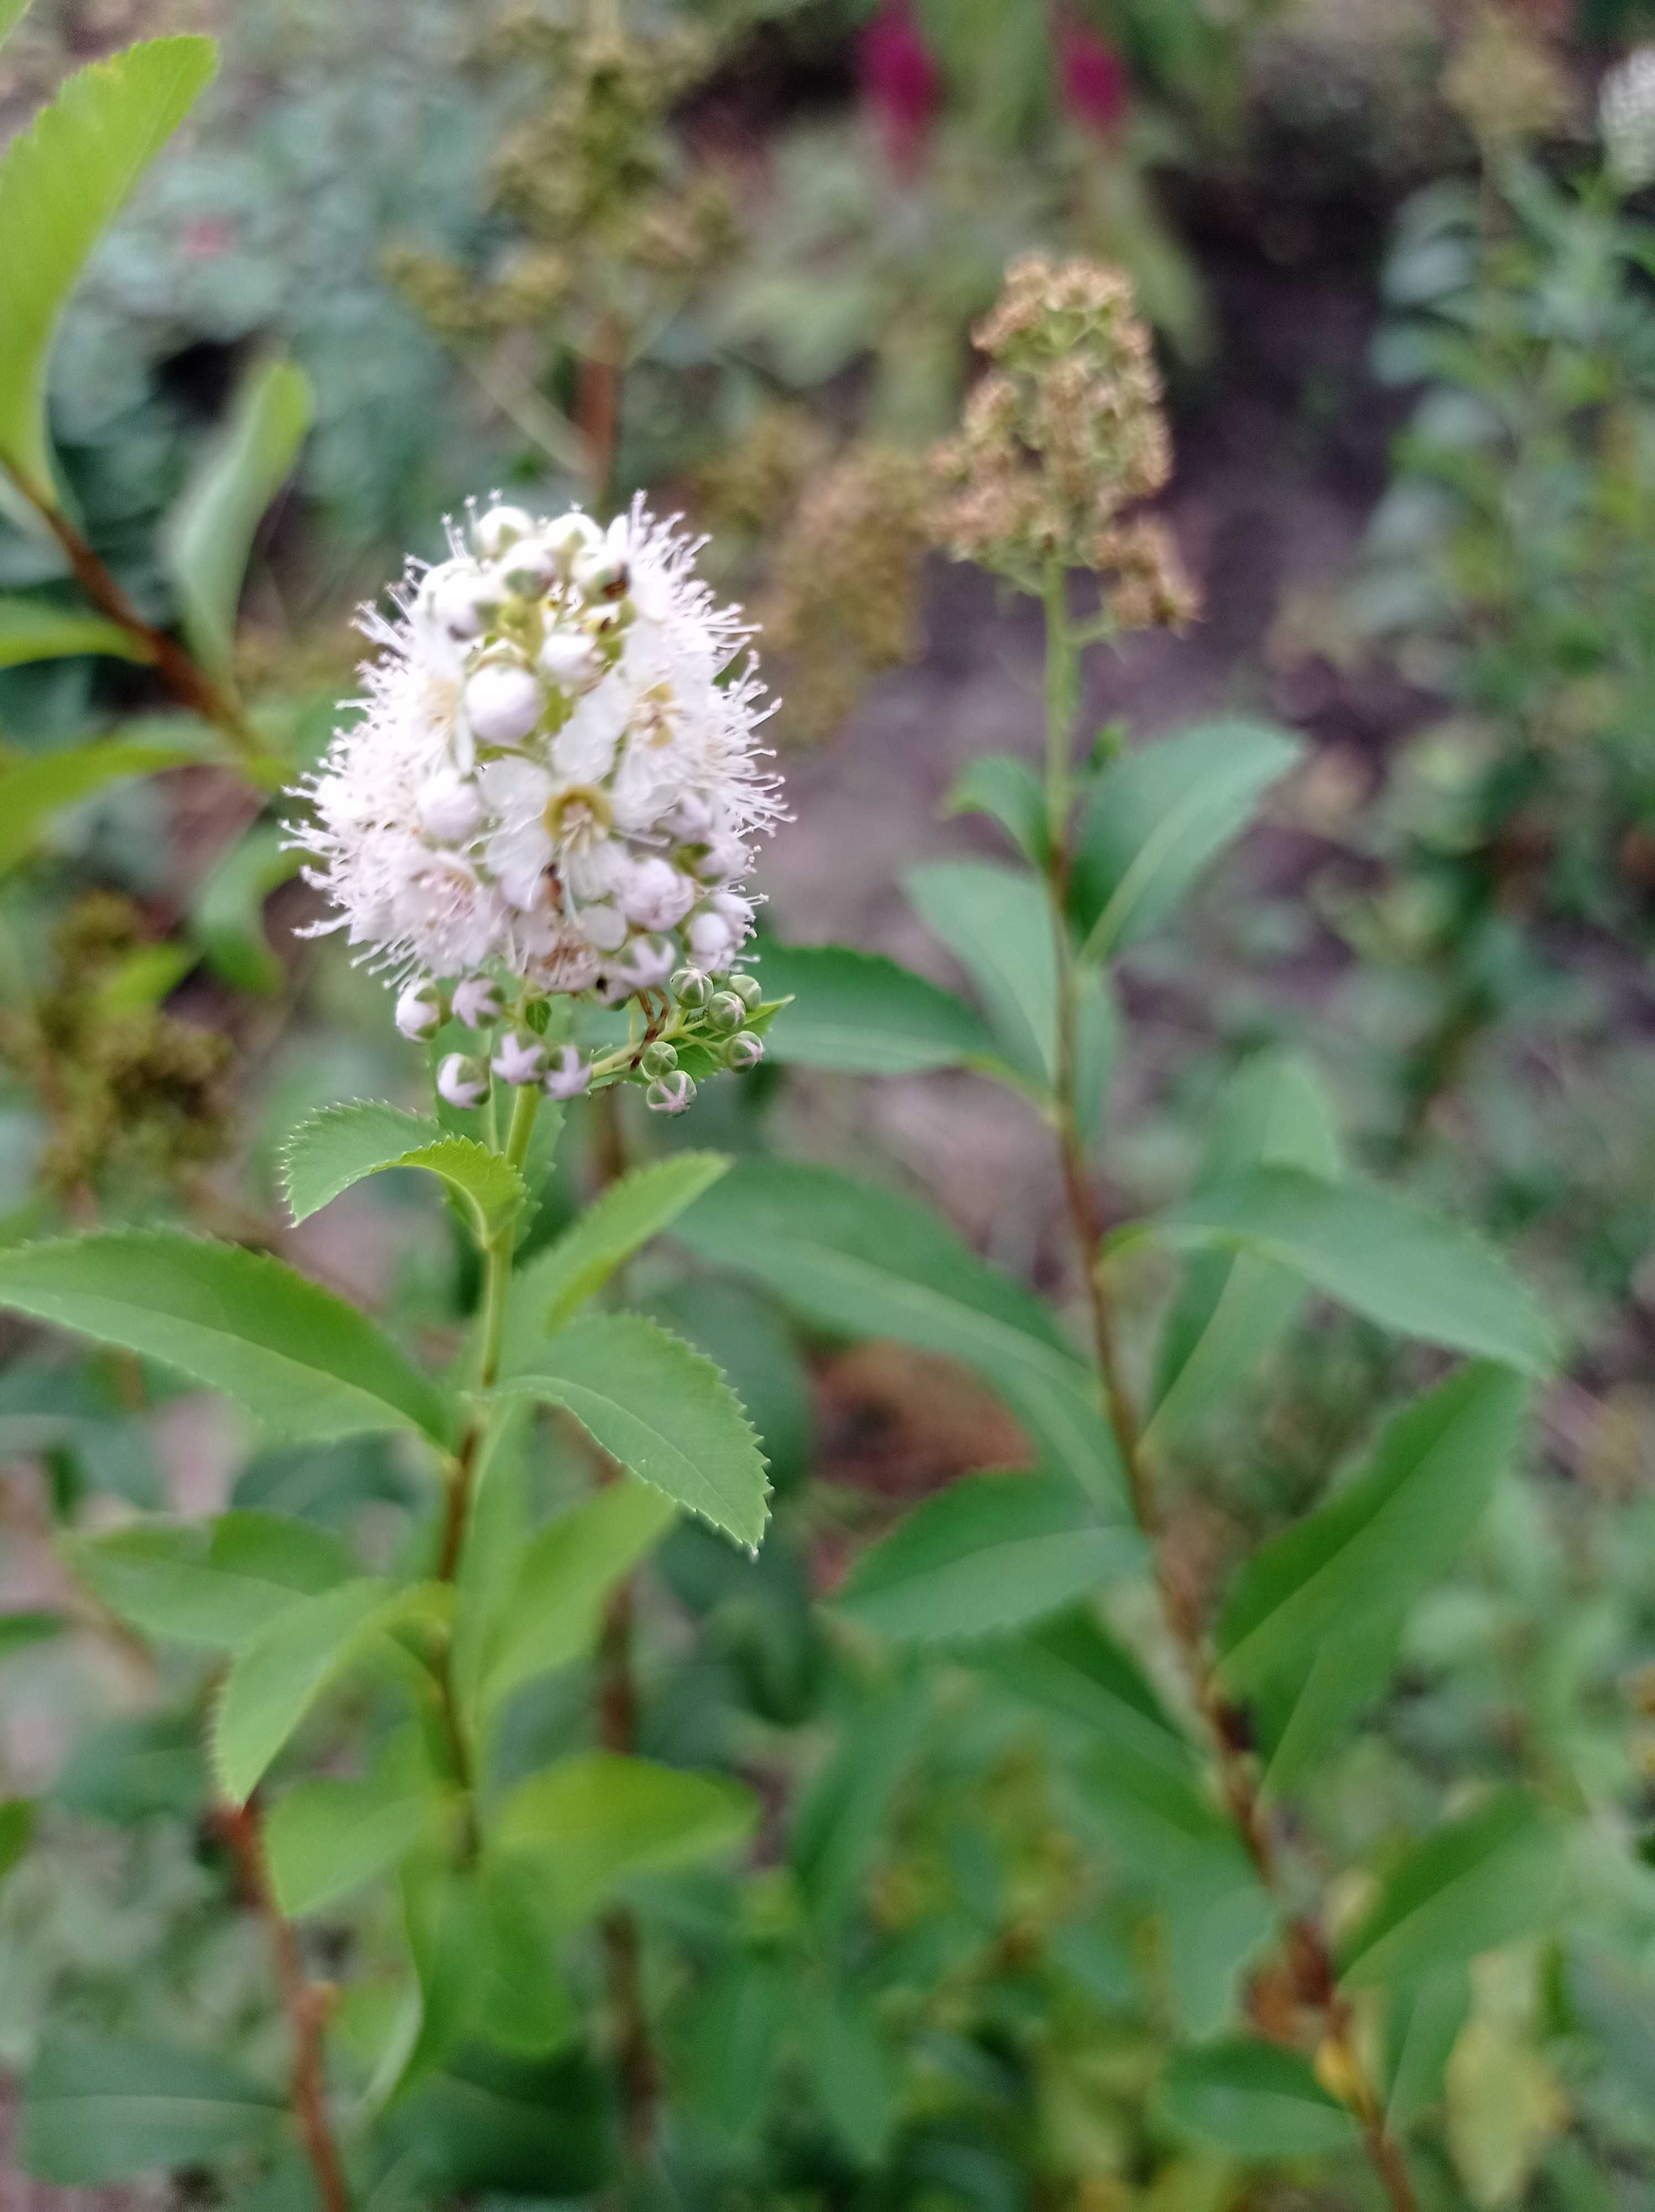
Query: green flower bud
point(745, 1050)
point(671, 1094)
point(746, 987)
point(657, 1058)
point(689, 987)
point(725, 1010)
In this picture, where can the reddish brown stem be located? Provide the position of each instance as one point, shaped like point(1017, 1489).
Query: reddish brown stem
point(302, 2002)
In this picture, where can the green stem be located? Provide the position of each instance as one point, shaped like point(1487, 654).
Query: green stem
point(1062, 671)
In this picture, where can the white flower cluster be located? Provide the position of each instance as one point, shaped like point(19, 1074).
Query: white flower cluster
point(556, 778)
point(1626, 117)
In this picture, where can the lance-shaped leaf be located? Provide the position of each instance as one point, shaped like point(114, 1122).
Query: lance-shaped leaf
point(1484, 1879)
point(208, 534)
point(219, 1583)
point(1422, 2019)
point(228, 912)
point(1253, 2100)
point(1071, 1670)
point(867, 1263)
point(1007, 788)
point(32, 791)
point(550, 1611)
point(660, 1409)
point(1382, 1541)
point(99, 2108)
point(37, 629)
point(1379, 1254)
point(988, 1553)
point(1232, 1306)
point(595, 1820)
point(285, 1670)
point(324, 1838)
point(859, 1013)
point(1156, 817)
point(301, 1359)
point(61, 181)
point(338, 1145)
point(552, 1286)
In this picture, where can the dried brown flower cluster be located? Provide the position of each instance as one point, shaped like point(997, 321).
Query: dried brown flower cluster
point(591, 179)
point(1062, 435)
point(134, 1092)
point(1507, 83)
point(843, 601)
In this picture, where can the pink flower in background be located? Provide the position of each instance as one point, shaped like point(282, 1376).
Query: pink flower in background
point(1091, 75)
point(206, 238)
point(900, 82)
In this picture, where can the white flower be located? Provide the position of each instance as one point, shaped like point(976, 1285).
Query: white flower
point(519, 1057)
point(462, 1080)
point(568, 829)
point(569, 1074)
point(419, 1011)
point(476, 1002)
point(1626, 117)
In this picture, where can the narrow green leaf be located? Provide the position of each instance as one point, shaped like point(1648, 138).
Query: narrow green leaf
point(854, 2074)
point(488, 2121)
point(442, 1910)
point(1232, 1306)
point(868, 1263)
point(1422, 2021)
point(227, 915)
point(1156, 817)
point(988, 1553)
point(208, 536)
point(859, 1013)
point(285, 1670)
point(143, 978)
point(662, 1411)
point(1253, 2100)
point(1377, 1252)
point(299, 1359)
point(551, 1611)
point(219, 1583)
point(1384, 1539)
point(996, 922)
point(1484, 1879)
point(32, 791)
point(100, 2109)
point(325, 1839)
point(61, 181)
point(337, 1146)
point(593, 1821)
point(1008, 789)
point(522, 2003)
point(840, 1822)
point(1072, 1670)
point(556, 1283)
point(37, 629)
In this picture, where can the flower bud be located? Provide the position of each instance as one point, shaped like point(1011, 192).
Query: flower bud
point(460, 600)
point(725, 856)
point(450, 806)
point(600, 573)
point(746, 987)
point(477, 1001)
point(690, 989)
point(519, 1057)
point(503, 702)
point(503, 526)
point(657, 1059)
point(645, 962)
point(567, 658)
point(656, 896)
point(419, 1011)
point(671, 1095)
point(745, 1050)
point(529, 570)
point(711, 938)
point(462, 1080)
point(568, 1072)
point(725, 1010)
point(570, 536)
point(600, 924)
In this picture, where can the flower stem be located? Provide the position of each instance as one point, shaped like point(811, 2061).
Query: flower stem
point(1314, 1974)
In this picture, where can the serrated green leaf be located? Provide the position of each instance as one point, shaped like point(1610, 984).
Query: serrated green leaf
point(228, 913)
point(593, 1821)
point(988, 1553)
point(551, 1613)
point(37, 629)
point(218, 1583)
point(859, 1013)
point(207, 537)
point(101, 2109)
point(299, 1359)
point(664, 1412)
point(324, 1838)
point(280, 1675)
point(1484, 1879)
point(1232, 1307)
point(1008, 789)
point(61, 181)
point(32, 791)
point(868, 1263)
point(340, 1145)
point(553, 1285)
point(1365, 1555)
point(1253, 2100)
point(1155, 817)
point(1376, 1252)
